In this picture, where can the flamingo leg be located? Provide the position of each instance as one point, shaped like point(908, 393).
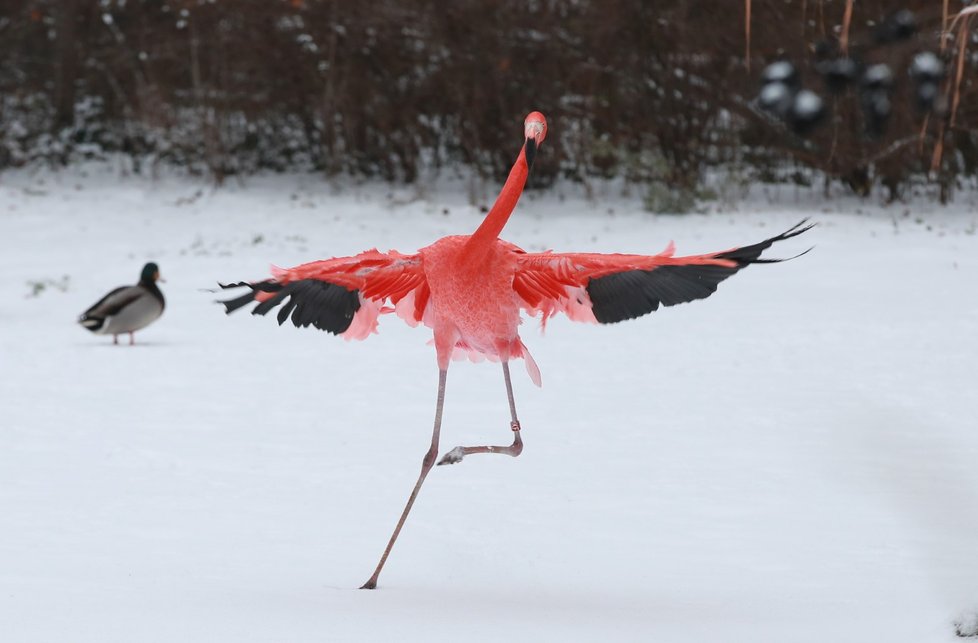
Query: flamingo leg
point(514, 449)
point(426, 463)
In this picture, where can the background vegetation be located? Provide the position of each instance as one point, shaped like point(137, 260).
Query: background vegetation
point(659, 92)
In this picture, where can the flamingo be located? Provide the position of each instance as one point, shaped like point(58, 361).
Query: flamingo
point(470, 290)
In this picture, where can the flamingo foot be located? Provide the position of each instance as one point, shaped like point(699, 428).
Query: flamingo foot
point(452, 457)
point(458, 453)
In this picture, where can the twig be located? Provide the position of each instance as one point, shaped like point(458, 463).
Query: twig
point(964, 13)
point(846, 22)
point(959, 73)
point(892, 148)
point(937, 157)
point(923, 134)
point(747, 7)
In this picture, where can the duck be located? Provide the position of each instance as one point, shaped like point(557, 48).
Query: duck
point(127, 309)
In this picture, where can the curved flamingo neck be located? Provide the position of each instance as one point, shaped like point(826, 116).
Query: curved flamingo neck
point(487, 233)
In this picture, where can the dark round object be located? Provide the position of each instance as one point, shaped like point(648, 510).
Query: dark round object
point(878, 76)
point(904, 24)
point(899, 26)
point(780, 72)
point(927, 93)
point(927, 67)
point(877, 109)
point(878, 104)
point(839, 74)
point(807, 110)
point(825, 49)
point(776, 98)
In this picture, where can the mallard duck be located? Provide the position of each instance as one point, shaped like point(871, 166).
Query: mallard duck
point(127, 308)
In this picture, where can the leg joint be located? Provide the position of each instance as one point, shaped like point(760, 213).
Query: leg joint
point(429, 458)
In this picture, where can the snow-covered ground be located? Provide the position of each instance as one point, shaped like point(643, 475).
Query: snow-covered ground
point(793, 459)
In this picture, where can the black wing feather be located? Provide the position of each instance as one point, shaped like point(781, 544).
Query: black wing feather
point(309, 302)
point(633, 293)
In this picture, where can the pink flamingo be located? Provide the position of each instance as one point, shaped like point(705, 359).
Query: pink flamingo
point(470, 290)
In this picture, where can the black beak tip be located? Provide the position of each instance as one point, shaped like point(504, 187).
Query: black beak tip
point(531, 151)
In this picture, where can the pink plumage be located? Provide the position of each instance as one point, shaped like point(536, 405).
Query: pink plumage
point(471, 290)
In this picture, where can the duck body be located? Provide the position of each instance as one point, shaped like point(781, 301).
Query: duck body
point(128, 308)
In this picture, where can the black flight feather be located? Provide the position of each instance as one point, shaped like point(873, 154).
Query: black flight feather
point(309, 302)
point(633, 293)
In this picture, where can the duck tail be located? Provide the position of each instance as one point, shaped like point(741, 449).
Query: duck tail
point(91, 322)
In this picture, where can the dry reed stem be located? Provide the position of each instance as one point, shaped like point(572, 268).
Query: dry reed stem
point(966, 14)
point(921, 138)
point(846, 22)
point(747, 7)
point(959, 72)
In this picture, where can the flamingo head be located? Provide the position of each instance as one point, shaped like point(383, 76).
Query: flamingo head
point(535, 130)
point(535, 127)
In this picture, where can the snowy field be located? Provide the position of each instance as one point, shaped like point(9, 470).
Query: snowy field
point(793, 459)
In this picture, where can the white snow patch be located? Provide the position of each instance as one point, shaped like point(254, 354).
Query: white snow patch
point(790, 460)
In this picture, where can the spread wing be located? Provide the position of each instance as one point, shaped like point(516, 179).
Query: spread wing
point(343, 296)
point(609, 288)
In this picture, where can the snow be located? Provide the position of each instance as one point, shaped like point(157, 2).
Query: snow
point(793, 459)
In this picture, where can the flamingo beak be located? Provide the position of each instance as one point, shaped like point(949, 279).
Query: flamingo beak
point(530, 149)
point(535, 130)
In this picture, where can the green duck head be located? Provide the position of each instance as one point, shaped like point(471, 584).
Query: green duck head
point(150, 273)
